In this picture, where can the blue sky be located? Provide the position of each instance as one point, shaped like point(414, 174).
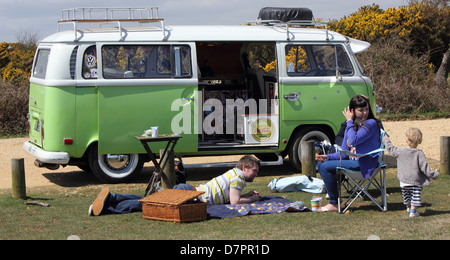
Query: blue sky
point(42, 15)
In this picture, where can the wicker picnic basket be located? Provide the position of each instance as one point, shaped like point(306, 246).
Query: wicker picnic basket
point(174, 205)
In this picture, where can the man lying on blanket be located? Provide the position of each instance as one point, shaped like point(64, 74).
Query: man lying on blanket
point(226, 188)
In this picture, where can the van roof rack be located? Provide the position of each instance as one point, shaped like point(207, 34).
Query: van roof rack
point(289, 17)
point(294, 24)
point(110, 15)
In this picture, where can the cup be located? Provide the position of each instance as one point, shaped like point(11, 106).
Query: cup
point(154, 131)
point(316, 203)
point(147, 132)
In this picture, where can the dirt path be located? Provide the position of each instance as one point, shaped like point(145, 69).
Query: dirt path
point(35, 177)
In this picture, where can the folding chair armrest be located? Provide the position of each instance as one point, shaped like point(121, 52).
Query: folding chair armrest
point(360, 155)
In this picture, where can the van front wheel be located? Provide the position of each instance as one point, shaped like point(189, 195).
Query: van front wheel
point(307, 134)
point(114, 168)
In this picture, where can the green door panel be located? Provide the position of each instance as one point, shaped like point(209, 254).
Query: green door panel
point(126, 111)
point(318, 103)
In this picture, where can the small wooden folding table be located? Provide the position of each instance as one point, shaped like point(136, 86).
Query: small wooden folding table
point(158, 173)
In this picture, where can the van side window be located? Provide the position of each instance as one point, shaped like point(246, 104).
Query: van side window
point(261, 55)
point(145, 61)
point(90, 63)
point(185, 53)
point(317, 60)
point(40, 65)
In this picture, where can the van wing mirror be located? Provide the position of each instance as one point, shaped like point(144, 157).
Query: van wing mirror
point(357, 46)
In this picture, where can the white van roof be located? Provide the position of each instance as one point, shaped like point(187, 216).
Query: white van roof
point(190, 33)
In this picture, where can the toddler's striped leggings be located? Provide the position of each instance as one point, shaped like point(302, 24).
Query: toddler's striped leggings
point(412, 195)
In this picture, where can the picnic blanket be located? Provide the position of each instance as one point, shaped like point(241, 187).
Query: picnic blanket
point(267, 205)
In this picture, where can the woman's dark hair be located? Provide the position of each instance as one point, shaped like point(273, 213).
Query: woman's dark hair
point(361, 101)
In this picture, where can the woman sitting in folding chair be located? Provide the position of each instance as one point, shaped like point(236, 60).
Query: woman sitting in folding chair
point(362, 135)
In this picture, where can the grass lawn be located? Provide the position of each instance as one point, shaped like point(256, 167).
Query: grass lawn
point(67, 216)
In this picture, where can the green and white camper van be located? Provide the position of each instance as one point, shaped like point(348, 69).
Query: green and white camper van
point(259, 88)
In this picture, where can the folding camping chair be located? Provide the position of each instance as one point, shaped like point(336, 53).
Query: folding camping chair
point(357, 185)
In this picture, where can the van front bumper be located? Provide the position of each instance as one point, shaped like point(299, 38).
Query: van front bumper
point(44, 156)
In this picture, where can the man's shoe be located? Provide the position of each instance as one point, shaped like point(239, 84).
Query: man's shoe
point(99, 202)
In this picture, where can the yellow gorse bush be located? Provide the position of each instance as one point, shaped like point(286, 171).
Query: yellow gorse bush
point(425, 23)
point(371, 22)
point(16, 61)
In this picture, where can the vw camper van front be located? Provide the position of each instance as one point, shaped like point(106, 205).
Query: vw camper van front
point(252, 89)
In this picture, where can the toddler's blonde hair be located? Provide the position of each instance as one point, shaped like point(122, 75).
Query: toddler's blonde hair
point(414, 136)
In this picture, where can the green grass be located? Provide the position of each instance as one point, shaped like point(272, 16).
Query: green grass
point(67, 216)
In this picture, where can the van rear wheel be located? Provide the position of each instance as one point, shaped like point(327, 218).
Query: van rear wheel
point(114, 168)
point(306, 134)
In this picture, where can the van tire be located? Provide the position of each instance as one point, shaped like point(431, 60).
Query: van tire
point(305, 134)
point(106, 172)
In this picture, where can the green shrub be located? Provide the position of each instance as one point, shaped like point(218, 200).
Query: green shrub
point(404, 83)
point(13, 108)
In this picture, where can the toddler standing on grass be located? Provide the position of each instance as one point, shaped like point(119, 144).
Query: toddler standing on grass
point(413, 171)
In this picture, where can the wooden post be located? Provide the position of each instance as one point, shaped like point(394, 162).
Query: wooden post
point(18, 179)
point(169, 168)
point(445, 155)
point(308, 158)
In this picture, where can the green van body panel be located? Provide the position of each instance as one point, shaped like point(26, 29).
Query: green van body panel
point(86, 119)
point(75, 112)
point(141, 107)
point(56, 108)
point(317, 105)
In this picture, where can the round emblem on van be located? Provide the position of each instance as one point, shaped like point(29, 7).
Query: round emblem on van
point(262, 129)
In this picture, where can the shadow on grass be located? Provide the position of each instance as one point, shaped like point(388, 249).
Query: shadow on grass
point(82, 179)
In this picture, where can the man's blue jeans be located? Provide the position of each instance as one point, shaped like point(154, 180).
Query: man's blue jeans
point(122, 204)
point(327, 170)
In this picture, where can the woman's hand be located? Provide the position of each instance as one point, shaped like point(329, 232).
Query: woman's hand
point(348, 113)
point(321, 158)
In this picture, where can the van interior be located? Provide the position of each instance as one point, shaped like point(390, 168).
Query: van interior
point(236, 71)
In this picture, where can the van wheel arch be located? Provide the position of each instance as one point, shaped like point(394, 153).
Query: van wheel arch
point(312, 132)
point(100, 165)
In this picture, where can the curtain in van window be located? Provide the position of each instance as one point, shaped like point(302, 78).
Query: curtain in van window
point(145, 61)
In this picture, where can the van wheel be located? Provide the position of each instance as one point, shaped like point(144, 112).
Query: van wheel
point(114, 168)
point(306, 134)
